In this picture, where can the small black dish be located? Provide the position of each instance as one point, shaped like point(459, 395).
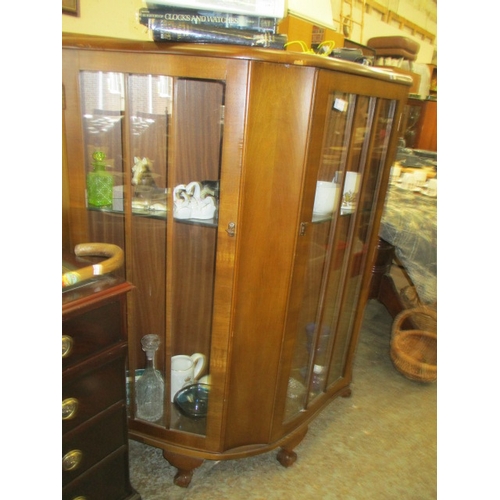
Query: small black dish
point(193, 400)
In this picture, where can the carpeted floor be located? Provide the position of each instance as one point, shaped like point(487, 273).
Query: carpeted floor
point(378, 444)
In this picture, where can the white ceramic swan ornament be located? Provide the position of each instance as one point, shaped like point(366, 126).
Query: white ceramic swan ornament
point(189, 203)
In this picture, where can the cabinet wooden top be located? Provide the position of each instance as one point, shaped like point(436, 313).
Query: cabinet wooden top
point(90, 42)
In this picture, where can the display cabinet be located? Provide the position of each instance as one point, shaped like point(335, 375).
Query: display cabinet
point(215, 154)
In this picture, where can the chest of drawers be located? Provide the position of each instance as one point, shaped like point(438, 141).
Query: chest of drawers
point(94, 419)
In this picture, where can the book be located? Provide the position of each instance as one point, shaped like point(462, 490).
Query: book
point(209, 18)
point(267, 8)
point(180, 31)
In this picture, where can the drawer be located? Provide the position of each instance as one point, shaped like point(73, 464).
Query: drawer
point(107, 480)
point(88, 444)
point(89, 392)
point(91, 332)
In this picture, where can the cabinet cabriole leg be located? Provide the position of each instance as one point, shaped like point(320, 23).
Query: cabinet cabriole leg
point(185, 467)
point(347, 393)
point(286, 456)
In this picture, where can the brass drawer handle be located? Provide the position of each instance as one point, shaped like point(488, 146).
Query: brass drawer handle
point(72, 460)
point(80, 498)
point(67, 345)
point(69, 408)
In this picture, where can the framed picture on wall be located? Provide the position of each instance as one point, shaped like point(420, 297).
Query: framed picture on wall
point(70, 7)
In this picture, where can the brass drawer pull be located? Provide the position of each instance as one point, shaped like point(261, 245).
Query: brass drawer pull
point(69, 408)
point(72, 460)
point(80, 498)
point(67, 345)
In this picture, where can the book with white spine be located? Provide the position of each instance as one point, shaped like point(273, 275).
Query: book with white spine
point(266, 8)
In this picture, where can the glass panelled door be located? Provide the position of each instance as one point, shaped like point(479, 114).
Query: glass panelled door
point(348, 176)
point(153, 155)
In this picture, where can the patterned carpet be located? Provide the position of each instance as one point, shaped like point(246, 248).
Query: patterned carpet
point(379, 444)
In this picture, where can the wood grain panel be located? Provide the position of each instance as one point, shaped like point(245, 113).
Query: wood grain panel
point(148, 276)
point(273, 165)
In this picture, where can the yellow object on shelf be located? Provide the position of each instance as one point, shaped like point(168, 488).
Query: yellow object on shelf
point(114, 261)
point(324, 48)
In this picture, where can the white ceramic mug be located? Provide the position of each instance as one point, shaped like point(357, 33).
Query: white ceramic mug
point(351, 189)
point(432, 185)
point(408, 181)
point(420, 177)
point(395, 173)
point(186, 370)
point(326, 196)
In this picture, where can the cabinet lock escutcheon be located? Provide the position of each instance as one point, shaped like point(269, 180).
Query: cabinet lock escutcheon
point(72, 460)
point(69, 408)
point(67, 345)
point(231, 229)
point(303, 228)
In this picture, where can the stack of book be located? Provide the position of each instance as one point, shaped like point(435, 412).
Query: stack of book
point(172, 23)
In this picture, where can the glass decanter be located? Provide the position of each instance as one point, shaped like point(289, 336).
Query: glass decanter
point(150, 387)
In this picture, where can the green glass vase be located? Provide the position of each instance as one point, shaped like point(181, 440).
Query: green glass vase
point(99, 183)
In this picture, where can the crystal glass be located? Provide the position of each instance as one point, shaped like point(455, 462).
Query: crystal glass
point(150, 387)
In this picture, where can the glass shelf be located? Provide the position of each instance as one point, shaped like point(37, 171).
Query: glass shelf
point(198, 222)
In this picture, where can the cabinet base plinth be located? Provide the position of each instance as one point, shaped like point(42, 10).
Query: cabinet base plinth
point(185, 467)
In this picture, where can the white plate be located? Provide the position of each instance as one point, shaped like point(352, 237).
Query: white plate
point(424, 192)
point(348, 206)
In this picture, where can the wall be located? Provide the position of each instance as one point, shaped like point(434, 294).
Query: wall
point(423, 13)
point(117, 18)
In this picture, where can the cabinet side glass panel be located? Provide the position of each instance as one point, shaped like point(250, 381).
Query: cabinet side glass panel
point(312, 339)
point(342, 244)
point(101, 95)
point(383, 121)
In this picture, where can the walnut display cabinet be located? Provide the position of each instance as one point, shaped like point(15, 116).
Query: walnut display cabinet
point(270, 292)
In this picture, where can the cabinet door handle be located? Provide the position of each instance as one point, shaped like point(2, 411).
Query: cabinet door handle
point(67, 345)
point(72, 460)
point(69, 408)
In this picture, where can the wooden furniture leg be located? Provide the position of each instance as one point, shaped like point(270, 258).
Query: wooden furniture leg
point(185, 467)
point(382, 266)
point(286, 456)
point(382, 286)
point(389, 296)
